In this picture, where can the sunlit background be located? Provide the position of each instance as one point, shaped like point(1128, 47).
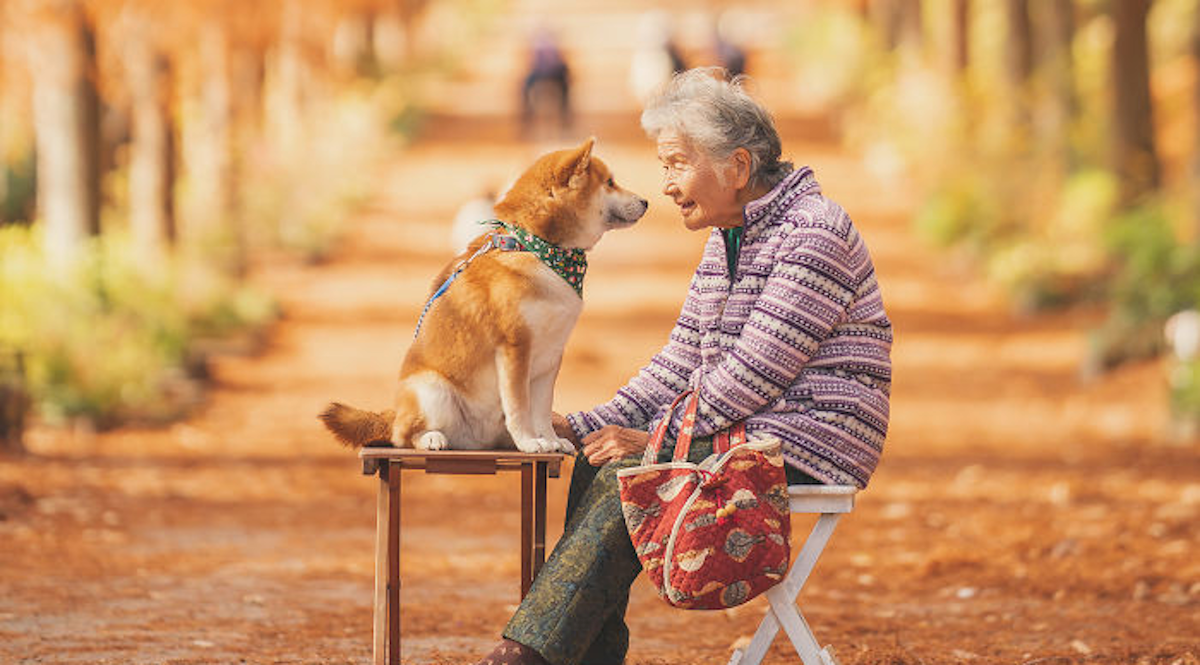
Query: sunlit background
point(1050, 145)
point(217, 215)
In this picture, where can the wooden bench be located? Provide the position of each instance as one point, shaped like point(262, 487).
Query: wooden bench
point(830, 502)
point(388, 463)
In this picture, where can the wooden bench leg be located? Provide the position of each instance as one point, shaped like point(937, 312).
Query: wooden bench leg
point(539, 518)
point(526, 527)
point(380, 606)
point(386, 648)
point(789, 617)
point(393, 564)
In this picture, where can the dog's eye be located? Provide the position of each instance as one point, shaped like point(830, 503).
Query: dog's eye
point(610, 182)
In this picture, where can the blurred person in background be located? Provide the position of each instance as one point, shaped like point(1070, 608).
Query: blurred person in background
point(657, 57)
point(727, 45)
point(783, 328)
point(546, 88)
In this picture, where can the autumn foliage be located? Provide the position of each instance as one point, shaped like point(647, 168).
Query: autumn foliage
point(149, 152)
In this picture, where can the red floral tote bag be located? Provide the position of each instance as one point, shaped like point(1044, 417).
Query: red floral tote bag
point(715, 534)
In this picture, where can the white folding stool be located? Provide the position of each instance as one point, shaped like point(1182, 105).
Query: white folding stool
point(831, 502)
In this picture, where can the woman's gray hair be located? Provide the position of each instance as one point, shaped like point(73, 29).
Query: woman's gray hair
point(718, 116)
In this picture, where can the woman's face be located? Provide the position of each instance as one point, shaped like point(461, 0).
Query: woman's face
point(704, 190)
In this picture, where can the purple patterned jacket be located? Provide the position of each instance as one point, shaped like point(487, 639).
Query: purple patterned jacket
point(797, 345)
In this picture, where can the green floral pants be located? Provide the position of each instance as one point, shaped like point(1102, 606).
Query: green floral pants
point(575, 612)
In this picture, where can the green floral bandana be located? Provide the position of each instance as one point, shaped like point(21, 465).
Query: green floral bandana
point(570, 264)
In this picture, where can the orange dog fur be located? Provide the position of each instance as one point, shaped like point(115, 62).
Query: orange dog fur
point(481, 372)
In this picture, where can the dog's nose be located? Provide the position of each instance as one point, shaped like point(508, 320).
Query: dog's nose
point(645, 204)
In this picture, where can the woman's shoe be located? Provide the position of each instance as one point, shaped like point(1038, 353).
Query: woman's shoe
point(509, 652)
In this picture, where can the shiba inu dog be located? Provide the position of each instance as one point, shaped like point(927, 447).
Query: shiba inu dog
point(480, 373)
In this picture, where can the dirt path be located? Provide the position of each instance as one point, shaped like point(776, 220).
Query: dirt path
point(1018, 516)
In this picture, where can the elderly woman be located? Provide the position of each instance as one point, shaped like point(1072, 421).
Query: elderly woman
point(783, 329)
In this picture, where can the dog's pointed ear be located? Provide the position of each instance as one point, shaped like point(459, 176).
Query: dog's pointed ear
point(578, 160)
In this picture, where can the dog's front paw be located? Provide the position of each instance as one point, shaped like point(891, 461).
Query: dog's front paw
point(537, 445)
point(433, 440)
point(565, 446)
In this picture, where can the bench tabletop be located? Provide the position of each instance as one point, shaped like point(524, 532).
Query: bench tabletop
point(458, 461)
point(821, 498)
point(822, 490)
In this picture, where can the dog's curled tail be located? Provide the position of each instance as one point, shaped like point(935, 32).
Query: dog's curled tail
point(357, 428)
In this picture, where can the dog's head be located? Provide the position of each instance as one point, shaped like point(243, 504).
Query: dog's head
point(569, 198)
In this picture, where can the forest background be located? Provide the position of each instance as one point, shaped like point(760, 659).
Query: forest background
point(169, 171)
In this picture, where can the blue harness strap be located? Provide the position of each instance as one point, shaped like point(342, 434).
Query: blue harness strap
point(495, 240)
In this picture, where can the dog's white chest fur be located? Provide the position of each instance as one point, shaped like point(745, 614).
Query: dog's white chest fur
point(551, 319)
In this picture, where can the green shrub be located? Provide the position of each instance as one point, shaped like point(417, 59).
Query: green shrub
point(1154, 275)
point(1057, 258)
point(1184, 384)
point(961, 213)
point(110, 340)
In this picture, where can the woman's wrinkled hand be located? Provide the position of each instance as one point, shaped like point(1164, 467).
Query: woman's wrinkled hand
point(563, 429)
point(612, 442)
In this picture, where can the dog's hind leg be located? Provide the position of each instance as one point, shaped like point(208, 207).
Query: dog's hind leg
point(437, 402)
point(410, 421)
point(432, 440)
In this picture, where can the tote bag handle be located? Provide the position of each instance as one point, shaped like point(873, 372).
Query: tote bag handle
point(723, 441)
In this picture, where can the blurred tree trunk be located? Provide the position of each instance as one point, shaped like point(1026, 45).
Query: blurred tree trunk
point(1019, 55)
point(248, 75)
point(89, 96)
point(1196, 121)
point(911, 25)
point(899, 21)
point(1060, 69)
point(247, 80)
point(960, 40)
point(18, 163)
point(152, 150)
point(290, 82)
point(289, 79)
point(15, 402)
point(863, 8)
point(886, 19)
point(62, 67)
point(18, 160)
point(354, 43)
point(1135, 159)
point(1059, 56)
point(394, 34)
point(211, 224)
point(407, 10)
point(5, 170)
point(1019, 58)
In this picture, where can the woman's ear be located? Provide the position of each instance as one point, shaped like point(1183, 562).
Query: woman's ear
point(742, 163)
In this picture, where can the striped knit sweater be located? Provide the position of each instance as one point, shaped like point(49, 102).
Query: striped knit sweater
point(797, 344)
